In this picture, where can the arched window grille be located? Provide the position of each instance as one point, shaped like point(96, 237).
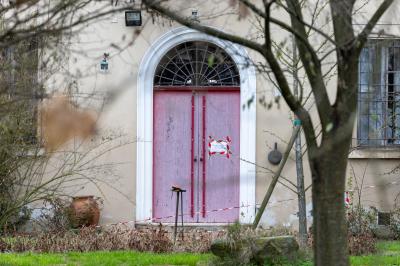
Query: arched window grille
point(197, 63)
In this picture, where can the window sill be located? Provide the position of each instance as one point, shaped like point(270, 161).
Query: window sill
point(375, 153)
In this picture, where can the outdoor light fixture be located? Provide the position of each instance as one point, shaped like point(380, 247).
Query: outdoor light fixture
point(104, 62)
point(133, 18)
point(195, 15)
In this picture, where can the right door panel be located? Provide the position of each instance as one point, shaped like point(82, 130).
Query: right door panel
point(220, 176)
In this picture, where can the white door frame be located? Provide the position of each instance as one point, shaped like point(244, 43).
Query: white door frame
point(144, 168)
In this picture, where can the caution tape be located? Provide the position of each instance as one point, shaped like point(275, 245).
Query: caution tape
point(376, 186)
point(155, 219)
point(173, 216)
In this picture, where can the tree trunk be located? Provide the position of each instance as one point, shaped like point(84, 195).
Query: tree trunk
point(329, 224)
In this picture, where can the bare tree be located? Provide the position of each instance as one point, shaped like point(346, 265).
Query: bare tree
point(31, 19)
point(30, 34)
point(63, 160)
point(327, 151)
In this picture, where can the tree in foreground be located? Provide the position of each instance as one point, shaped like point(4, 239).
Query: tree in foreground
point(35, 168)
point(328, 149)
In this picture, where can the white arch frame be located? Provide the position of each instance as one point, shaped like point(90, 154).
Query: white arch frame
point(144, 168)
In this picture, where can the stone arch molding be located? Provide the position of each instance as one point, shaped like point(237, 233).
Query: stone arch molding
point(144, 168)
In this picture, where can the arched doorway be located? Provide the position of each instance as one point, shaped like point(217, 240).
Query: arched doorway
point(144, 146)
point(196, 100)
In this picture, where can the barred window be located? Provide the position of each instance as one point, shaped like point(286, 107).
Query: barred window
point(379, 94)
point(19, 87)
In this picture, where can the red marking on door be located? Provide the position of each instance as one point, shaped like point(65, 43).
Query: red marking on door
point(182, 121)
point(192, 165)
point(203, 153)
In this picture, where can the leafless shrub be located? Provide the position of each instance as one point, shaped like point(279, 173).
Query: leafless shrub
point(361, 244)
point(86, 239)
point(360, 240)
point(19, 243)
point(3, 246)
point(277, 231)
point(153, 239)
point(54, 215)
point(197, 240)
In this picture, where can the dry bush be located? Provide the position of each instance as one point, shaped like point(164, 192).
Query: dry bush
point(360, 222)
point(357, 244)
point(150, 239)
point(54, 215)
point(86, 239)
point(3, 246)
point(395, 222)
point(360, 240)
point(153, 239)
point(361, 244)
point(197, 240)
point(276, 231)
point(18, 243)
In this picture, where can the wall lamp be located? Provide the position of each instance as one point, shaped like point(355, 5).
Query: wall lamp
point(133, 18)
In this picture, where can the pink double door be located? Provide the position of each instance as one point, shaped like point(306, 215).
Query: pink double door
point(183, 122)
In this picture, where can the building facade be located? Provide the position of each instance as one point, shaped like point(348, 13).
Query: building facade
point(199, 114)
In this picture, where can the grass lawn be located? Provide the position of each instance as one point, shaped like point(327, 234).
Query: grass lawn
point(124, 258)
point(388, 254)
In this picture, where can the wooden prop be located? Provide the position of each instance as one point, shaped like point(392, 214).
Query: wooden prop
point(275, 177)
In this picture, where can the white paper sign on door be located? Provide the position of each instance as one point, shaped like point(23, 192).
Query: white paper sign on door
point(221, 147)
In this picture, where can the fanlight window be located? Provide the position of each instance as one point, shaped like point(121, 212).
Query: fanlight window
point(197, 64)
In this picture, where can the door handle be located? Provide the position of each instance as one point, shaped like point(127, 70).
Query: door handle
point(201, 159)
point(195, 159)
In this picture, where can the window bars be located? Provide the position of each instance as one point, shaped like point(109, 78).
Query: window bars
point(379, 94)
point(197, 64)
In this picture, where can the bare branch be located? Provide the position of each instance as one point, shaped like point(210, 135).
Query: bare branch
point(287, 27)
point(155, 5)
point(311, 64)
point(363, 36)
point(284, 87)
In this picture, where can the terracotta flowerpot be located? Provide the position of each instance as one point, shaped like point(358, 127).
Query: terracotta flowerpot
point(84, 211)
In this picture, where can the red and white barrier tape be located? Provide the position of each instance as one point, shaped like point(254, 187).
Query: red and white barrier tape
point(154, 219)
point(376, 186)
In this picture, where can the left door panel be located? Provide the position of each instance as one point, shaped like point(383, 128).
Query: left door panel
point(172, 153)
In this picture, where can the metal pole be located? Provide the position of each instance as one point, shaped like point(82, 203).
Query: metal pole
point(302, 214)
point(176, 215)
point(182, 212)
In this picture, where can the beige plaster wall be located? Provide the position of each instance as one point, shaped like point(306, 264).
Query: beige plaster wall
point(119, 115)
